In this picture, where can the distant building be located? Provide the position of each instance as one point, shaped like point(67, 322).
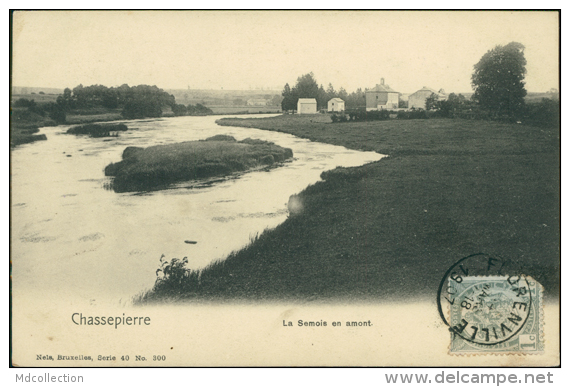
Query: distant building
point(307, 106)
point(336, 105)
point(256, 102)
point(381, 97)
point(418, 99)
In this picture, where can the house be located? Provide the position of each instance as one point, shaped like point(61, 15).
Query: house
point(336, 105)
point(256, 102)
point(307, 106)
point(381, 97)
point(418, 99)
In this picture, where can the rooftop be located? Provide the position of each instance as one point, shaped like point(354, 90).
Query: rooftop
point(381, 88)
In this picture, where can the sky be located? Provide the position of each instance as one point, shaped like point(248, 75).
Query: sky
point(266, 49)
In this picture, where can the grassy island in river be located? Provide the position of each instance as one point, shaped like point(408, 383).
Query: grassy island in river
point(389, 230)
point(157, 166)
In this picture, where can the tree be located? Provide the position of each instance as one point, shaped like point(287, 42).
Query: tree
point(56, 111)
point(342, 94)
point(331, 93)
point(498, 80)
point(431, 102)
point(322, 98)
point(289, 101)
point(356, 99)
point(306, 87)
point(140, 109)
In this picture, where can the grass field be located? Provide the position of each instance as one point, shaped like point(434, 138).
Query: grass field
point(389, 230)
point(39, 98)
point(245, 109)
point(156, 166)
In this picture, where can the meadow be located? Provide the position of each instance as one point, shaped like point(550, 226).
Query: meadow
point(389, 230)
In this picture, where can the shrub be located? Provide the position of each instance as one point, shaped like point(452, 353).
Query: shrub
point(179, 109)
point(545, 113)
point(198, 110)
point(412, 114)
point(23, 102)
point(97, 130)
point(373, 115)
point(173, 271)
point(341, 117)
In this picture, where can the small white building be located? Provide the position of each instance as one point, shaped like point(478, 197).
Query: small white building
point(418, 99)
point(307, 106)
point(336, 105)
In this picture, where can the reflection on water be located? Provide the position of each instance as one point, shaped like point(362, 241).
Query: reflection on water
point(73, 238)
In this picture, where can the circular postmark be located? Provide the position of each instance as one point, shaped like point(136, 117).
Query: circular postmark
point(488, 297)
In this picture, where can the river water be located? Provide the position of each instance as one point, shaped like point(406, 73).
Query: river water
point(74, 240)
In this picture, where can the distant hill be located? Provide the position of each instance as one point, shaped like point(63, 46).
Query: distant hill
point(221, 97)
point(530, 97)
point(35, 90)
point(536, 97)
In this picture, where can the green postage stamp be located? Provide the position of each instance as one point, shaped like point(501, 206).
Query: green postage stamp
point(496, 315)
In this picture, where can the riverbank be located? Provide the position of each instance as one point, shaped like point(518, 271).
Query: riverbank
point(24, 126)
point(155, 167)
point(389, 230)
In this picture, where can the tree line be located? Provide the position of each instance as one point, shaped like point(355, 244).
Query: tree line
point(139, 101)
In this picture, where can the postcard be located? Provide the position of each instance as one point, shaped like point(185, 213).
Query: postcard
point(285, 188)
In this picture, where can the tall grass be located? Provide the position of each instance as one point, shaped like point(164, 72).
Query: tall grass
point(175, 282)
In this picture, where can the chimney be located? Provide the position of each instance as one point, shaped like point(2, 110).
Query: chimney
point(382, 81)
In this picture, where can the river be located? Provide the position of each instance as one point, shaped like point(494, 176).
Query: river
point(73, 239)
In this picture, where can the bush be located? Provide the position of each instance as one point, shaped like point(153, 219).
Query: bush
point(198, 110)
point(373, 115)
point(97, 130)
point(23, 102)
point(412, 114)
point(340, 117)
point(179, 109)
point(545, 113)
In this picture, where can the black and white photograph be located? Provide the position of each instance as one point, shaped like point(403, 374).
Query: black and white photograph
point(285, 188)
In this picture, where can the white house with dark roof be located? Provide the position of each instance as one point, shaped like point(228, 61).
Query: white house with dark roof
point(418, 99)
point(381, 97)
point(336, 105)
point(307, 106)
